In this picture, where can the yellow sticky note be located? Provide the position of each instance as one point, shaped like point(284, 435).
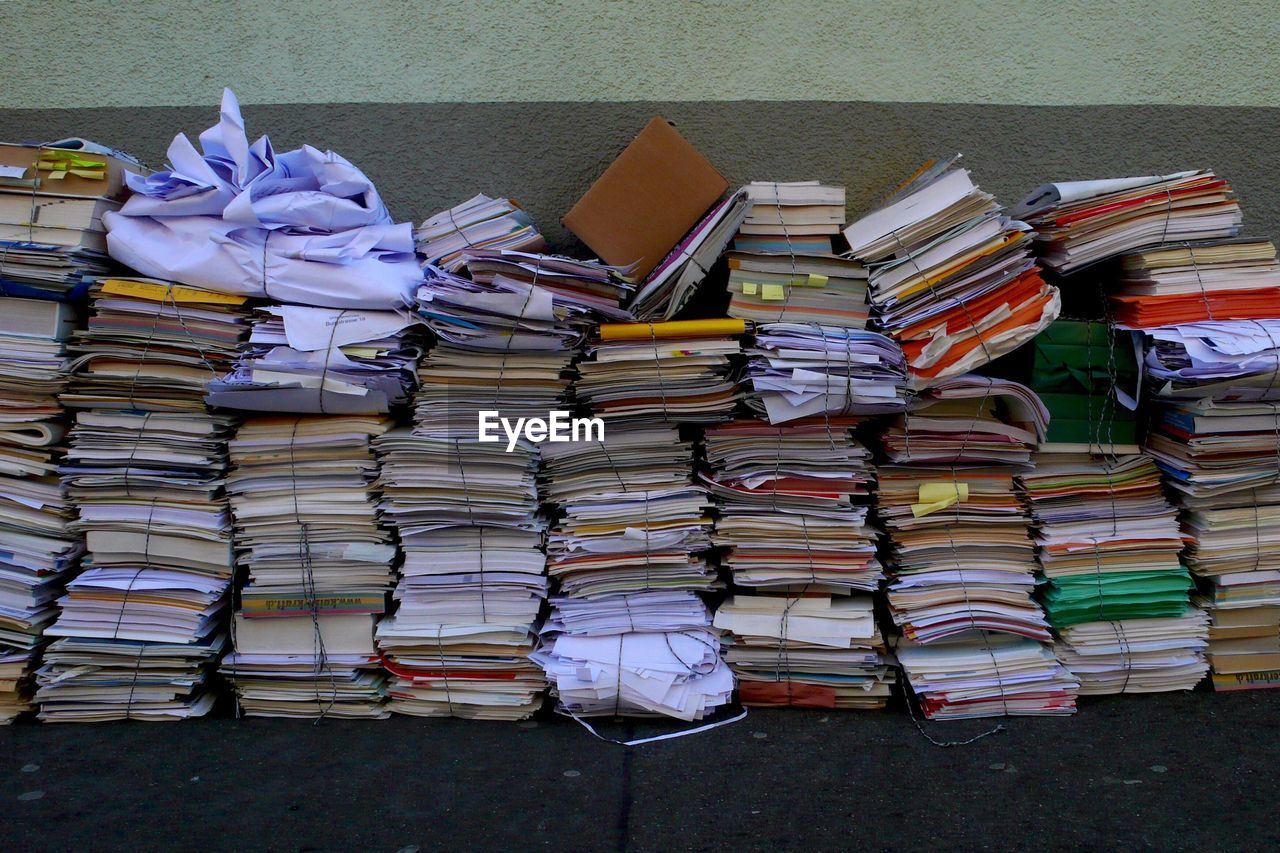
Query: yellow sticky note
point(158, 292)
point(816, 280)
point(773, 293)
point(750, 288)
point(936, 496)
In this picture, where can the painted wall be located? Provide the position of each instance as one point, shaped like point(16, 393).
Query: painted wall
point(943, 51)
point(440, 100)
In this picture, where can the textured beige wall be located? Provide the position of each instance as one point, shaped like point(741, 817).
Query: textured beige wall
point(1068, 52)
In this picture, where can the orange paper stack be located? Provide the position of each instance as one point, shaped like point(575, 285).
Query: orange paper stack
point(952, 277)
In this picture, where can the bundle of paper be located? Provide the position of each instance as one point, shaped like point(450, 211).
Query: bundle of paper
point(303, 226)
point(1086, 374)
point(801, 371)
point(952, 277)
point(97, 679)
point(1153, 655)
point(1244, 647)
point(783, 267)
point(52, 202)
point(796, 208)
point(807, 652)
point(154, 346)
point(1195, 282)
point(33, 371)
point(473, 578)
point(506, 337)
point(1107, 540)
point(477, 223)
point(969, 420)
point(38, 550)
point(988, 675)
point(677, 674)
point(307, 668)
point(145, 620)
point(1223, 360)
point(581, 291)
point(660, 611)
point(679, 372)
point(671, 284)
point(792, 505)
point(960, 557)
point(307, 531)
point(16, 683)
point(324, 360)
point(1081, 222)
point(1208, 448)
point(631, 518)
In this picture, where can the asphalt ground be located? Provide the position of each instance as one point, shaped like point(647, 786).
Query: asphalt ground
point(1181, 771)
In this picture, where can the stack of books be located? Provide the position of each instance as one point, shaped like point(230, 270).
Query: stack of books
point(1079, 223)
point(52, 202)
point(477, 223)
point(677, 372)
point(145, 622)
point(38, 551)
point(473, 578)
point(309, 537)
point(952, 276)
point(1114, 590)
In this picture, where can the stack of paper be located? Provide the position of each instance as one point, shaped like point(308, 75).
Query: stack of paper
point(1137, 655)
point(305, 668)
point(792, 505)
point(308, 534)
point(1244, 647)
point(324, 360)
point(153, 345)
point(993, 675)
point(1108, 544)
point(1078, 223)
point(505, 341)
point(146, 619)
point(628, 555)
point(37, 549)
point(1225, 360)
point(477, 223)
point(670, 286)
point(783, 267)
point(960, 555)
point(1196, 282)
point(638, 673)
point(677, 372)
point(808, 652)
point(631, 517)
point(473, 578)
point(303, 226)
point(52, 202)
point(801, 371)
point(969, 419)
point(952, 277)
